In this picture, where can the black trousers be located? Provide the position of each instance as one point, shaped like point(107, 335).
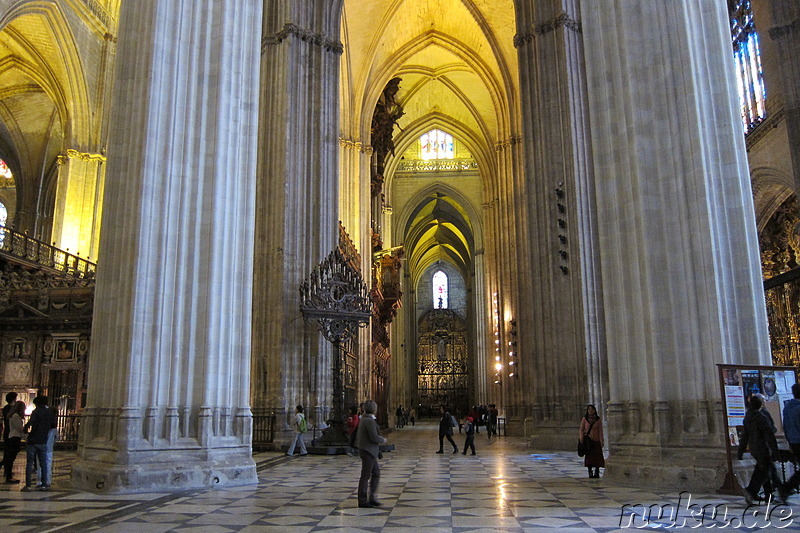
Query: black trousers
point(441, 442)
point(470, 443)
point(764, 470)
point(10, 454)
point(370, 477)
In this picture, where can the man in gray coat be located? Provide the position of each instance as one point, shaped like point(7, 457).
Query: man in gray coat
point(368, 441)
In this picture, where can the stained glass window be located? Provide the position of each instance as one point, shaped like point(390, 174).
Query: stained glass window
point(436, 144)
point(747, 56)
point(5, 172)
point(440, 290)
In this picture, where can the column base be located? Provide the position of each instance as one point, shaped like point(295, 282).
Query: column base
point(153, 473)
point(690, 468)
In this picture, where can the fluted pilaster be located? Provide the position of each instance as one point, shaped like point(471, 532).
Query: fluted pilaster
point(168, 396)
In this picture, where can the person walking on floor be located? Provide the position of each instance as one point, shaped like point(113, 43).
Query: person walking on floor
point(42, 420)
point(491, 420)
point(368, 441)
point(16, 432)
point(591, 433)
point(300, 427)
point(412, 415)
point(446, 426)
point(791, 429)
point(759, 438)
point(469, 430)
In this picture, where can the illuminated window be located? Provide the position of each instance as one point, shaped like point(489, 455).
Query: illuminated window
point(440, 290)
point(747, 57)
point(436, 144)
point(5, 172)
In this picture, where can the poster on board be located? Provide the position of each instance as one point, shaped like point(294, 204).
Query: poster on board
point(737, 384)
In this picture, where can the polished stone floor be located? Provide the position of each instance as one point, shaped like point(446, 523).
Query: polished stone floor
point(506, 487)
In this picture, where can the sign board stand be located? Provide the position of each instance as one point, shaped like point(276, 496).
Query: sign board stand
point(737, 383)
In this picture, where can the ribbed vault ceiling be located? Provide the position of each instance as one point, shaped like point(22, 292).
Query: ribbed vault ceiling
point(457, 63)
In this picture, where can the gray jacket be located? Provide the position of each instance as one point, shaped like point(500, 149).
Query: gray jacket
point(367, 436)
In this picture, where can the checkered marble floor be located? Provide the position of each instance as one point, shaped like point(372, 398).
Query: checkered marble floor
point(506, 487)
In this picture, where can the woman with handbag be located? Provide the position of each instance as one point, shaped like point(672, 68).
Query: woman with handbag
point(591, 436)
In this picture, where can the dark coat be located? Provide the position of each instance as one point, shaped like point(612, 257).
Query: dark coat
point(42, 420)
point(758, 435)
point(368, 438)
point(446, 425)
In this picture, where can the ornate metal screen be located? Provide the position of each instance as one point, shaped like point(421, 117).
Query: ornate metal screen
point(442, 361)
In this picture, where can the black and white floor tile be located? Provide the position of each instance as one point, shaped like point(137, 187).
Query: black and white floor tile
point(505, 487)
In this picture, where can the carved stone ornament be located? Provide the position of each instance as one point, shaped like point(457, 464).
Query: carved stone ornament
point(335, 298)
point(16, 372)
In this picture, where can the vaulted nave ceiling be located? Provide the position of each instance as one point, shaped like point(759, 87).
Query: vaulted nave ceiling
point(458, 66)
point(439, 230)
point(455, 57)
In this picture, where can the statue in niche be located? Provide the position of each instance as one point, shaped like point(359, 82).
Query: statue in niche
point(441, 346)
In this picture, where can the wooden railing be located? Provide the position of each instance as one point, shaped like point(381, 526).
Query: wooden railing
point(20, 245)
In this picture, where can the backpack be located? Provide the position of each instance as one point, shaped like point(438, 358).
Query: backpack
point(303, 426)
point(453, 421)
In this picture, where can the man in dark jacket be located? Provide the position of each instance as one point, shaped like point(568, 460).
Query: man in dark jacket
point(368, 441)
point(759, 437)
point(42, 420)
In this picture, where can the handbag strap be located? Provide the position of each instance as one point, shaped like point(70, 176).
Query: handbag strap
point(586, 433)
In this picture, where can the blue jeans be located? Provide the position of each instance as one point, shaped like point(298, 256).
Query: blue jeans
point(38, 453)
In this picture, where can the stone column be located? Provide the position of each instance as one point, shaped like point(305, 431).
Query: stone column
point(681, 278)
point(559, 320)
point(786, 34)
point(168, 384)
point(297, 201)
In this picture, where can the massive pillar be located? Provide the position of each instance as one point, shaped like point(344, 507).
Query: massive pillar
point(168, 398)
point(786, 34)
point(560, 339)
point(681, 278)
point(297, 201)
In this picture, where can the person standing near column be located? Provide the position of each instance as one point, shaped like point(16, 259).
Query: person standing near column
point(368, 441)
point(300, 427)
point(591, 433)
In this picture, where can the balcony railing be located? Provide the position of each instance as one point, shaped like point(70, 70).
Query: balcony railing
point(437, 165)
point(20, 245)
